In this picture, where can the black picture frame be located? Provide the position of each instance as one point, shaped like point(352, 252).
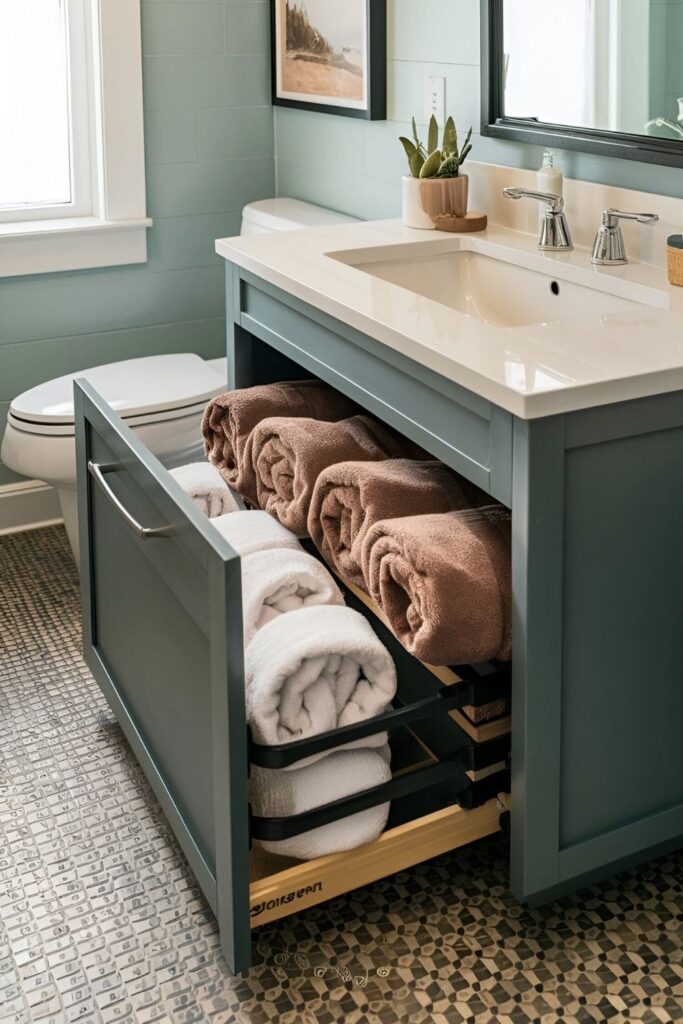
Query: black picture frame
point(494, 123)
point(376, 28)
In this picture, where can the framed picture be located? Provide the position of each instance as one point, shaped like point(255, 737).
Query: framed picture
point(331, 56)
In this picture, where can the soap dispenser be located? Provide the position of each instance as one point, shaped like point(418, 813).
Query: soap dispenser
point(549, 177)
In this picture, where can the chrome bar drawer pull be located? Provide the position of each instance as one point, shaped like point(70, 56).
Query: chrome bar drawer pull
point(97, 472)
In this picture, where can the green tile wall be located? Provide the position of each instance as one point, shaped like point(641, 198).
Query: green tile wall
point(355, 166)
point(209, 150)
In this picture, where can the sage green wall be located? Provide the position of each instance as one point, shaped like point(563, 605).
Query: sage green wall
point(209, 142)
point(209, 149)
point(355, 166)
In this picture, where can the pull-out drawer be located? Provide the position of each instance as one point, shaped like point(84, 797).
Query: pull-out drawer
point(162, 622)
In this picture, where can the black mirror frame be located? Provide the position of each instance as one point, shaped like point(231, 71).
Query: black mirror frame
point(495, 124)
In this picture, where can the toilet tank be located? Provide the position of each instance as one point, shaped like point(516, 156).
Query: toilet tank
point(287, 215)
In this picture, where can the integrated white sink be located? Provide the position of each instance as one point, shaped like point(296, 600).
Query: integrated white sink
point(491, 290)
point(534, 333)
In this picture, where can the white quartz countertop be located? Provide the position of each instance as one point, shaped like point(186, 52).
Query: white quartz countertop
point(585, 361)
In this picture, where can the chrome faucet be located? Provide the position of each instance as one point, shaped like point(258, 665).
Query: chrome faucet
point(609, 249)
point(663, 122)
point(555, 234)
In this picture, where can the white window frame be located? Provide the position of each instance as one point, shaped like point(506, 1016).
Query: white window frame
point(106, 223)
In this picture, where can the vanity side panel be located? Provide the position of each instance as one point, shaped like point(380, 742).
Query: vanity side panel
point(622, 696)
point(597, 757)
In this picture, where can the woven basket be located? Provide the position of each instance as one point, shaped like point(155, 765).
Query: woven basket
point(675, 263)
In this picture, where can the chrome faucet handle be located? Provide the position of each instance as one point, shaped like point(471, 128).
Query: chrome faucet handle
point(609, 249)
point(611, 217)
point(555, 233)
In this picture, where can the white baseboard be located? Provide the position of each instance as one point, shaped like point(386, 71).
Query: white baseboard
point(28, 506)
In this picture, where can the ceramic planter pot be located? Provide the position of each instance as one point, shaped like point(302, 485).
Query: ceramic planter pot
point(427, 199)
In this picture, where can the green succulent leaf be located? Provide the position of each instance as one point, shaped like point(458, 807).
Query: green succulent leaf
point(410, 149)
point(431, 166)
point(449, 168)
point(434, 162)
point(416, 161)
point(450, 138)
point(465, 153)
point(433, 135)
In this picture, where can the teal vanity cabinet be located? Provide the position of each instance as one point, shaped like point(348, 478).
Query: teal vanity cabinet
point(597, 512)
point(597, 694)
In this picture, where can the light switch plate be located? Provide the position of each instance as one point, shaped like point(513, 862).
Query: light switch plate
point(435, 98)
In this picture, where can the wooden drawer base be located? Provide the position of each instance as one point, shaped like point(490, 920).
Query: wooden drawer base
point(294, 888)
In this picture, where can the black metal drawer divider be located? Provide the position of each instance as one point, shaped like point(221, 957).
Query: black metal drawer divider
point(480, 684)
point(477, 685)
point(449, 769)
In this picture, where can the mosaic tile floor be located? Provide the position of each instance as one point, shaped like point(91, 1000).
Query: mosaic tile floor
point(100, 919)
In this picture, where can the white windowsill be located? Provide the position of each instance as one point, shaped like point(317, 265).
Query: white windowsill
point(71, 243)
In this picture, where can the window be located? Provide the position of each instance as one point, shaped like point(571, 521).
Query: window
point(529, 24)
point(603, 78)
point(72, 186)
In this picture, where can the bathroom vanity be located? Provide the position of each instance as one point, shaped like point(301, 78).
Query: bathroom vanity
point(555, 388)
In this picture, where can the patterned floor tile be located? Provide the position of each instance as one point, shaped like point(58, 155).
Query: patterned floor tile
point(102, 923)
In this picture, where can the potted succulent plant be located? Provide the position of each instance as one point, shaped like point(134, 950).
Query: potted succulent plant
point(435, 187)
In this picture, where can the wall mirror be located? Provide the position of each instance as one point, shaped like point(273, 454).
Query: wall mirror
point(603, 76)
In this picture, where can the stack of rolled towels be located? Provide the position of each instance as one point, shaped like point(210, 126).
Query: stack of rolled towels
point(311, 665)
point(431, 549)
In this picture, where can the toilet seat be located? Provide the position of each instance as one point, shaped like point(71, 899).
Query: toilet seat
point(150, 389)
point(66, 429)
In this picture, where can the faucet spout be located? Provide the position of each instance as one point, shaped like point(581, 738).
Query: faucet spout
point(556, 203)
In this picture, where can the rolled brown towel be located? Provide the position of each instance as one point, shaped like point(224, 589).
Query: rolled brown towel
point(288, 455)
point(444, 583)
point(230, 418)
point(350, 497)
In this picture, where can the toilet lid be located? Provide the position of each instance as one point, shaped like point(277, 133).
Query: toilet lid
point(289, 214)
point(134, 387)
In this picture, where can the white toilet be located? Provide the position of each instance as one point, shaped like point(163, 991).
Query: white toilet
point(287, 215)
point(162, 398)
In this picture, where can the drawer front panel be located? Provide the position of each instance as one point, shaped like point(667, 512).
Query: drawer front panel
point(455, 425)
point(162, 624)
point(150, 644)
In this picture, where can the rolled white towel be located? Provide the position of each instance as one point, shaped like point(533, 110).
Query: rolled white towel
point(340, 774)
point(248, 532)
point(283, 580)
point(315, 670)
point(207, 488)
